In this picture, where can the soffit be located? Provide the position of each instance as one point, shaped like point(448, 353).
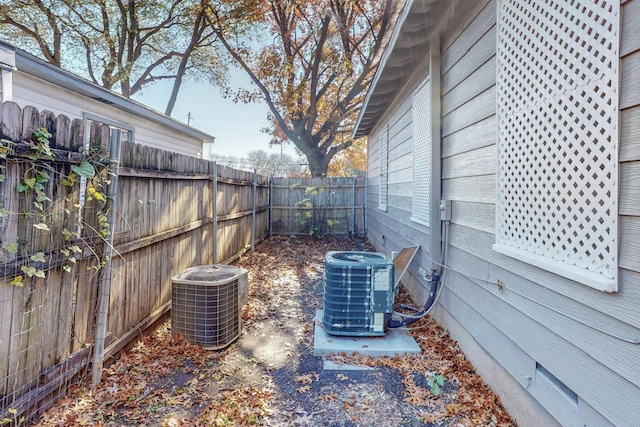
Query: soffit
point(408, 46)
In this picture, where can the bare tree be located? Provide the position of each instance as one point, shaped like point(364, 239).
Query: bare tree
point(123, 45)
point(310, 61)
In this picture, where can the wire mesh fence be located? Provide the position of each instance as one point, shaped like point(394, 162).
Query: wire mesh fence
point(50, 256)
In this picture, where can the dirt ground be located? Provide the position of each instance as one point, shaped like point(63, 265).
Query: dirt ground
point(270, 377)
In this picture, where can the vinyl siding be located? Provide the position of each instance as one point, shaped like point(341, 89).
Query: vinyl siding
point(564, 326)
point(523, 316)
point(393, 230)
point(45, 96)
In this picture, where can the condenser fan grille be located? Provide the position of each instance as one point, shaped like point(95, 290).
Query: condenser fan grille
point(207, 316)
point(206, 305)
point(358, 293)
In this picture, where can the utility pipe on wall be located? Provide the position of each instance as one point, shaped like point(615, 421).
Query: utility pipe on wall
point(353, 206)
point(364, 204)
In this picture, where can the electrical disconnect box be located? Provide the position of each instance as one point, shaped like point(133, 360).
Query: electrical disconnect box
point(445, 210)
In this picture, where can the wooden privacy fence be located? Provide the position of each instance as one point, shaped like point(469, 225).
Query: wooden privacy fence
point(62, 249)
point(318, 206)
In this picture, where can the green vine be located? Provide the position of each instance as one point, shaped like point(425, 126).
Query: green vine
point(35, 177)
point(436, 382)
point(309, 216)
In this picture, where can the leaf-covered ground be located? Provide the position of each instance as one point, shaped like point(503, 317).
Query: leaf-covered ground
point(270, 376)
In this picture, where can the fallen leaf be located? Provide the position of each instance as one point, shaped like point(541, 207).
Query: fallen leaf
point(453, 409)
point(328, 397)
point(308, 378)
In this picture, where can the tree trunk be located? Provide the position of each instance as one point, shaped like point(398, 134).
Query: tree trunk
point(318, 163)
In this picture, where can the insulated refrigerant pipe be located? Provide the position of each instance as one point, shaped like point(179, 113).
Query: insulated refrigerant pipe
point(433, 292)
point(434, 289)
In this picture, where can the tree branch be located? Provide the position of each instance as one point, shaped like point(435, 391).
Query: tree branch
point(257, 82)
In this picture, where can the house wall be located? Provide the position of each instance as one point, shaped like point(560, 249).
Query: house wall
point(572, 349)
point(393, 229)
point(28, 90)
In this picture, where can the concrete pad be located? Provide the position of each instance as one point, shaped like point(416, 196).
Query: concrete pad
point(394, 342)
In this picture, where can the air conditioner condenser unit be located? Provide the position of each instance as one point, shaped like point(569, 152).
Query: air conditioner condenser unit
point(206, 304)
point(358, 293)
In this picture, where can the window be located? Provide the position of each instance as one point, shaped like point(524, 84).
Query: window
point(6, 82)
point(421, 110)
point(383, 142)
point(127, 132)
point(557, 96)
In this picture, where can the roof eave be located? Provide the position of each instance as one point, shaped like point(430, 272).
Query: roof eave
point(410, 38)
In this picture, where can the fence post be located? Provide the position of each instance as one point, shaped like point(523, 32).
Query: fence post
point(270, 204)
point(103, 303)
point(353, 205)
point(253, 210)
point(214, 207)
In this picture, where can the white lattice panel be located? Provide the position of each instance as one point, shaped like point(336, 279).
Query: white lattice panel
point(384, 167)
point(557, 95)
point(421, 111)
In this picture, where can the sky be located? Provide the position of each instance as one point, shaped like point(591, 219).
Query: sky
point(236, 127)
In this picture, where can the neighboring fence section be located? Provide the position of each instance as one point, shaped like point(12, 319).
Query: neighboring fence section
point(238, 192)
point(92, 232)
point(55, 238)
point(317, 206)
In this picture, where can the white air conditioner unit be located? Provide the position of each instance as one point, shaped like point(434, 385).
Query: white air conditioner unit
point(206, 304)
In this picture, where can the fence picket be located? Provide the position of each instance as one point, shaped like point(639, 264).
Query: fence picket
point(11, 121)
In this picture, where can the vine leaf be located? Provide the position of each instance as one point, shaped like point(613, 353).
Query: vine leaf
point(28, 270)
point(41, 226)
point(42, 177)
point(84, 169)
point(39, 257)
point(12, 248)
point(95, 194)
point(18, 281)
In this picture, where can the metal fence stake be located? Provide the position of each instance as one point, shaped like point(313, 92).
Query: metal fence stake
point(105, 288)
